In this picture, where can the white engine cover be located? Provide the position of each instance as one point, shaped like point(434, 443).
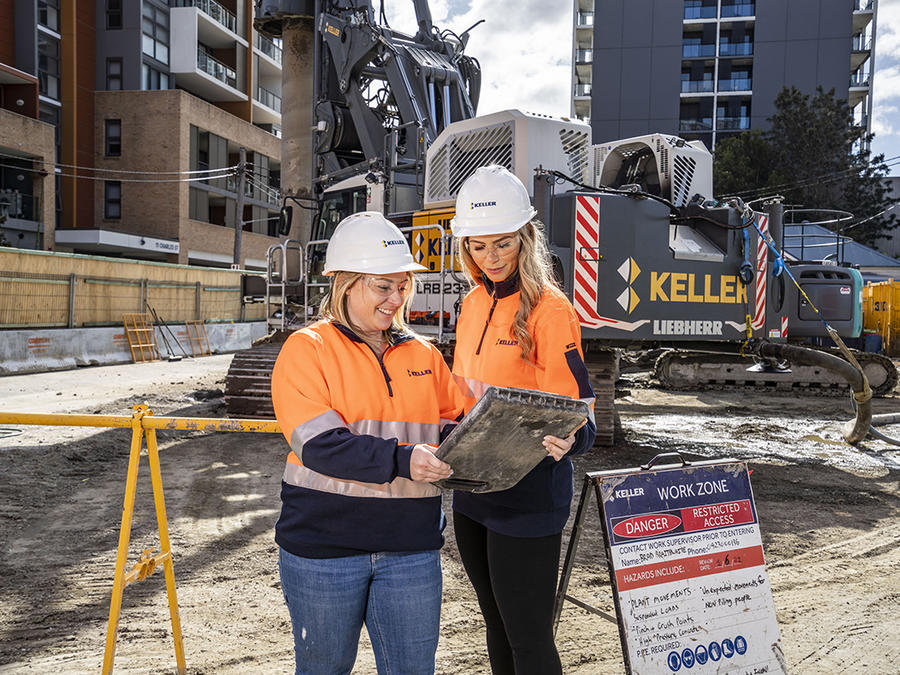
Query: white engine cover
point(517, 140)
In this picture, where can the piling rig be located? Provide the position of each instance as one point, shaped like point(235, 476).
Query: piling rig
point(648, 259)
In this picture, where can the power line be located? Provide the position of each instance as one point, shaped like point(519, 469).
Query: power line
point(822, 178)
point(102, 170)
point(195, 179)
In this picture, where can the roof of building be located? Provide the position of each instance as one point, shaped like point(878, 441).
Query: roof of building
point(820, 243)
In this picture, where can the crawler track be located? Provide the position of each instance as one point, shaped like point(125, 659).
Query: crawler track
point(706, 371)
point(248, 385)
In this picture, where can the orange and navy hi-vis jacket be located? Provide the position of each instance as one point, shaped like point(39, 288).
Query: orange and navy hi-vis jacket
point(352, 420)
point(486, 354)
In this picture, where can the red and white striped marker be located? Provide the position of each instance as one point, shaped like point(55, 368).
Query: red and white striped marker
point(762, 267)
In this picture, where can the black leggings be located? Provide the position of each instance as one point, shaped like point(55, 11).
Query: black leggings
point(515, 581)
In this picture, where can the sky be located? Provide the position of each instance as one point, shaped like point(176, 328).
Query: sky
point(525, 51)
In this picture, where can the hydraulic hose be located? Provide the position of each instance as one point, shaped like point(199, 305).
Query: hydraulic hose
point(886, 418)
point(853, 431)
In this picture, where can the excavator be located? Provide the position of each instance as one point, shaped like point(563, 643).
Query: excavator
point(649, 259)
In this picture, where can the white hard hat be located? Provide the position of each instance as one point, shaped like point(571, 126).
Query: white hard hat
point(370, 243)
point(491, 201)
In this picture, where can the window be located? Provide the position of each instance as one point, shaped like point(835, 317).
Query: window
point(155, 27)
point(113, 138)
point(114, 14)
point(154, 79)
point(112, 199)
point(114, 74)
point(48, 14)
point(48, 65)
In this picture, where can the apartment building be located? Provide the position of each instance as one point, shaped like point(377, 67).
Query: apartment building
point(704, 69)
point(27, 149)
point(582, 60)
point(151, 102)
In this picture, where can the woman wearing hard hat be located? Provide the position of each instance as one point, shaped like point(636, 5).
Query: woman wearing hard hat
point(362, 400)
point(515, 329)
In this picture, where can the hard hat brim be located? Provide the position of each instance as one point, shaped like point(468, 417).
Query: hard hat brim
point(386, 269)
point(486, 230)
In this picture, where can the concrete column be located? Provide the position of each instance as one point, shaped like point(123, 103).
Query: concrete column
point(298, 69)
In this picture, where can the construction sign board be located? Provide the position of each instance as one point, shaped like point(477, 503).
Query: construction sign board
point(687, 568)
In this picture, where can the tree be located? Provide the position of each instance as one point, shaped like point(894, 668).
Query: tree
point(742, 161)
point(816, 157)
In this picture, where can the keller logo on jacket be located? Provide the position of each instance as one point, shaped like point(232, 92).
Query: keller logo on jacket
point(506, 343)
point(418, 373)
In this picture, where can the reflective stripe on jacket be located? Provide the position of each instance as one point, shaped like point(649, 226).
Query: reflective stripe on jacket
point(352, 420)
point(488, 354)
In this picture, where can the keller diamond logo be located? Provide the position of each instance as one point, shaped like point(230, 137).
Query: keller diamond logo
point(629, 271)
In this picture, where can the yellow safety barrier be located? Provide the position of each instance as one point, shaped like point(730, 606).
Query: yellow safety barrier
point(142, 422)
point(881, 313)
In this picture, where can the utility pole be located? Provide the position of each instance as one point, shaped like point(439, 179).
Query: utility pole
point(239, 209)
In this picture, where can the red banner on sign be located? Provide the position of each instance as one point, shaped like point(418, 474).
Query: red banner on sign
point(717, 515)
point(684, 568)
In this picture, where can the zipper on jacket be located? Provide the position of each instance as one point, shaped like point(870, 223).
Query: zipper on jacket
point(487, 321)
point(387, 378)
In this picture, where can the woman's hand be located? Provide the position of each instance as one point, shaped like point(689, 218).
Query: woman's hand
point(559, 447)
point(425, 467)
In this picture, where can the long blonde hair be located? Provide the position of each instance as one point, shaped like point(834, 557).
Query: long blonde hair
point(334, 306)
point(535, 269)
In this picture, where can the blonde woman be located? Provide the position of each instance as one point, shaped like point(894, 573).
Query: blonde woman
point(515, 329)
point(362, 401)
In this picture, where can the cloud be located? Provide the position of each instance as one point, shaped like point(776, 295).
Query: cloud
point(887, 36)
point(887, 83)
point(524, 62)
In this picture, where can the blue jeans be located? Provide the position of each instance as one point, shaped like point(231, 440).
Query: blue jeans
point(396, 595)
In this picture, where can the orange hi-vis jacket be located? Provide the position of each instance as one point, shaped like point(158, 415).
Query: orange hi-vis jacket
point(352, 420)
point(487, 353)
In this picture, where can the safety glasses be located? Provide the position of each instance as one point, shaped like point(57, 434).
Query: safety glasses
point(503, 248)
point(385, 288)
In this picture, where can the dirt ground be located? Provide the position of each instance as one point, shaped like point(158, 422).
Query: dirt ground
point(829, 513)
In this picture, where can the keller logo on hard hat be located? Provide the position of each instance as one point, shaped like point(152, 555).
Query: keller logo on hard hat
point(392, 242)
point(479, 205)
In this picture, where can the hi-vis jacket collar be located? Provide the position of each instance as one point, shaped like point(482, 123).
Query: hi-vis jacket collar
point(504, 288)
point(396, 337)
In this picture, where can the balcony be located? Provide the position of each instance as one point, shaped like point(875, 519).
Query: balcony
point(696, 86)
point(859, 80)
point(700, 124)
point(584, 56)
point(732, 123)
point(694, 51)
point(736, 84)
point(739, 9)
point(216, 68)
point(212, 9)
point(585, 19)
point(861, 43)
point(863, 5)
point(583, 89)
point(268, 98)
point(268, 47)
point(736, 49)
point(693, 9)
